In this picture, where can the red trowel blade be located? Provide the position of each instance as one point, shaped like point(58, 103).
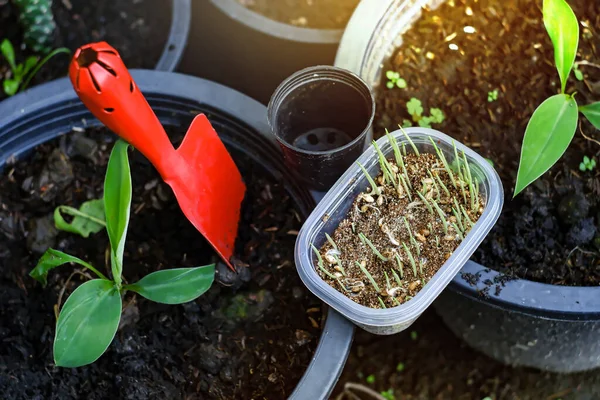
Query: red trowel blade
point(202, 174)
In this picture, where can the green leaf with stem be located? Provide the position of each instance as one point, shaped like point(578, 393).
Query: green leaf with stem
point(562, 26)
point(411, 258)
point(366, 240)
point(369, 276)
point(548, 134)
point(592, 113)
point(414, 107)
point(412, 144)
point(175, 286)
point(87, 323)
point(54, 258)
point(44, 60)
point(117, 203)
point(371, 181)
point(88, 219)
point(8, 52)
point(10, 86)
point(320, 263)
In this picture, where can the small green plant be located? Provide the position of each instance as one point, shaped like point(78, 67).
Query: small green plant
point(415, 109)
point(552, 125)
point(400, 367)
point(577, 72)
point(23, 73)
point(89, 218)
point(371, 379)
point(90, 317)
point(492, 96)
point(38, 24)
point(388, 394)
point(394, 80)
point(587, 164)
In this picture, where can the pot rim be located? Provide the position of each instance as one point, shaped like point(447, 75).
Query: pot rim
point(280, 30)
point(336, 337)
point(181, 18)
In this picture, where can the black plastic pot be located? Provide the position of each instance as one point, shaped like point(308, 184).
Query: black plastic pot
point(249, 52)
point(52, 109)
point(178, 35)
point(524, 323)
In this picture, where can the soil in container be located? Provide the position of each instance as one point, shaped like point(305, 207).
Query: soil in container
point(402, 229)
point(138, 29)
point(252, 335)
point(488, 64)
point(318, 14)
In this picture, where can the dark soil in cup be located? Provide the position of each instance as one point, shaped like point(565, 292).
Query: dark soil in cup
point(393, 241)
point(549, 233)
point(251, 335)
point(318, 14)
point(138, 29)
point(428, 362)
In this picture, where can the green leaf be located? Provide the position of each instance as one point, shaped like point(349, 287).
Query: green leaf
point(54, 258)
point(414, 107)
point(88, 219)
point(175, 286)
point(117, 204)
point(578, 74)
point(401, 83)
point(592, 113)
point(582, 167)
point(563, 29)
point(10, 86)
point(390, 75)
point(87, 323)
point(30, 62)
point(437, 115)
point(425, 122)
point(8, 52)
point(548, 134)
point(390, 85)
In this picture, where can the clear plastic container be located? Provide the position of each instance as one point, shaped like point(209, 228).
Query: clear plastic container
point(334, 207)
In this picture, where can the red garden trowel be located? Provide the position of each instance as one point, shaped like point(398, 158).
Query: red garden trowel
point(206, 181)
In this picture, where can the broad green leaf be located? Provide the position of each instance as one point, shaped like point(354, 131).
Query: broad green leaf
point(175, 286)
point(87, 323)
point(30, 62)
point(592, 113)
point(414, 107)
point(563, 29)
point(548, 134)
point(117, 203)
point(52, 259)
point(8, 52)
point(10, 86)
point(88, 219)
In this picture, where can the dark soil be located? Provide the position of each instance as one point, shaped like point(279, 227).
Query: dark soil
point(318, 14)
point(138, 29)
point(412, 242)
point(250, 336)
point(549, 233)
point(428, 362)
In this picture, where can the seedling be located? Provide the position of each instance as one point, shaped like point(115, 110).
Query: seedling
point(553, 124)
point(23, 73)
point(393, 223)
point(587, 164)
point(394, 80)
point(492, 96)
point(89, 218)
point(90, 317)
point(415, 109)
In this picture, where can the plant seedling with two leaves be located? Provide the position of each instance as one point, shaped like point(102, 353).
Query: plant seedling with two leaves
point(492, 96)
point(90, 317)
point(22, 74)
point(587, 164)
point(415, 109)
point(553, 124)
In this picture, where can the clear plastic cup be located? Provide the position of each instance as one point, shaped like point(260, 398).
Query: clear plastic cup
point(334, 207)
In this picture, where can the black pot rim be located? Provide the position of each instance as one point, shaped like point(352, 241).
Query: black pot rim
point(34, 105)
point(541, 300)
point(277, 29)
point(181, 16)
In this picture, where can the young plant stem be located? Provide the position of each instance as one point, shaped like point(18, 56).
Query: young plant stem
point(412, 144)
point(442, 158)
point(41, 64)
point(387, 281)
point(395, 300)
point(381, 302)
point(442, 216)
point(331, 242)
point(386, 169)
point(400, 265)
point(426, 202)
point(397, 154)
point(371, 181)
point(396, 277)
point(435, 185)
point(458, 216)
point(458, 231)
point(320, 263)
point(339, 264)
point(413, 241)
point(369, 276)
point(411, 258)
point(466, 214)
point(406, 186)
point(442, 184)
point(366, 240)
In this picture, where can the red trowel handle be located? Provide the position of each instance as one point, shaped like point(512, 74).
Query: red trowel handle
point(105, 86)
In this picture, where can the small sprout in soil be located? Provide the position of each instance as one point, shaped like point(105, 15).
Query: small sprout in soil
point(371, 181)
point(553, 124)
point(412, 144)
point(415, 110)
point(426, 202)
point(394, 80)
point(388, 394)
point(331, 242)
point(400, 367)
point(492, 96)
point(411, 258)
point(88, 321)
point(587, 164)
point(22, 74)
point(362, 266)
point(366, 241)
point(396, 277)
point(381, 303)
point(321, 264)
point(442, 216)
point(406, 123)
point(406, 186)
point(371, 379)
point(414, 335)
point(442, 158)
point(577, 72)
